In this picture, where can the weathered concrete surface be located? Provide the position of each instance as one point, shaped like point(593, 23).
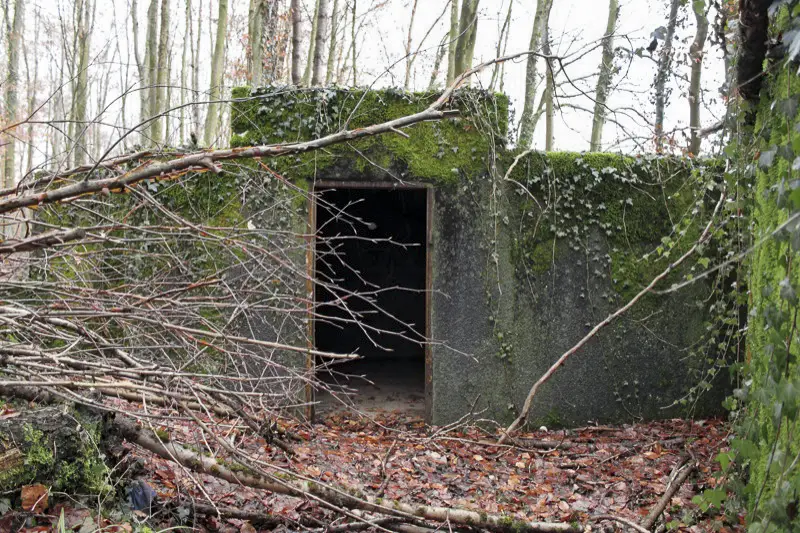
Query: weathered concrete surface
point(520, 276)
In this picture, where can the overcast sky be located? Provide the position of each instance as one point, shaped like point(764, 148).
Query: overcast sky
point(576, 26)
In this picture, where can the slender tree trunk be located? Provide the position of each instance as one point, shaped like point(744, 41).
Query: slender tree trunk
point(212, 117)
point(437, 64)
point(604, 78)
point(467, 32)
point(162, 76)
point(144, 81)
point(331, 67)
point(527, 124)
point(151, 57)
point(662, 75)
point(14, 39)
point(187, 40)
point(32, 86)
point(353, 43)
point(312, 45)
point(696, 58)
point(453, 40)
point(319, 46)
point(255, 55)
point(196, 71)
point(297, 38)
point(80, 95)
point(407, 80)
point(550, 89)
point(502, 43)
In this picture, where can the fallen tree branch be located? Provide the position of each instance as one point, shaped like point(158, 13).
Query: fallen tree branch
point(205, 160)
point(523, 416)
point(629, 523)
point(675, 485)
point(173, 451)
point(44, 240)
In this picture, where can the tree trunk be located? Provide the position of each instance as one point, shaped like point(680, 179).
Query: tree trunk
point(453, 41)
point(297, 28)
point(162, 77)
point(331, 67)
point(144, 81)
point(502, 44)
point(696, 58)
point(151, 64)
point(320, 38)
point(80, 94)
point(215, 92)
point(196, 70)
point(353, 42)
point(437, 64)
point(407, 80)
point(664, 65)
point(255, 55)
point(467, 32)
point(550, 89)
point(312, 47)
point(187, 41)
point(527, 123)
point(604, 78)
point(14, 38)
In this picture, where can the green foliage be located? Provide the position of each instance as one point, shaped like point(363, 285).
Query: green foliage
point(762, 464)
point(439, 151)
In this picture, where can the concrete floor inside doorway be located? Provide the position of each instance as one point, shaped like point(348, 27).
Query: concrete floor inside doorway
point(371, 263)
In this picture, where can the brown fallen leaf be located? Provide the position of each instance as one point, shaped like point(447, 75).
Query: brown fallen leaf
point(34, 498)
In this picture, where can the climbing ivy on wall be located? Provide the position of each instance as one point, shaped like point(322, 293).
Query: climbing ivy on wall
point(761, 470)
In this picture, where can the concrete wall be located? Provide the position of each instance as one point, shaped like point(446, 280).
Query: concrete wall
point(525, 261)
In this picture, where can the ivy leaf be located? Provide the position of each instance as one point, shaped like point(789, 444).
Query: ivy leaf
point(787, 291)
point(767, 157)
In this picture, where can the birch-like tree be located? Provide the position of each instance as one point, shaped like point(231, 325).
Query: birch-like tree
point(453, 41)
point(467, 33)
point(532, 81)
point(13, 43)
point(162, 75)
point(605, 75)
point(323, 19)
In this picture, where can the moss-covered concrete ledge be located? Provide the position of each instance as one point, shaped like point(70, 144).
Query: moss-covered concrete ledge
point(528, 251)
point(58, 446)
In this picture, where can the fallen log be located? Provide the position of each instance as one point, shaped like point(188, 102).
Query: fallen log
point(60, 420)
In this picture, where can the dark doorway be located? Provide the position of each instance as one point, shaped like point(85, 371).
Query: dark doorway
point(371, 296)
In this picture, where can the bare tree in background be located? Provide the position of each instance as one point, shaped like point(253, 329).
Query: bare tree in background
point(467, 33)
point(162, 76)
point(696, 71)
point(14, 39)
point(606, 73)
point(323, 22)
point(217, 75)
point(331, 66)
point(532, 81)
point(662, 74)
point(297, 29)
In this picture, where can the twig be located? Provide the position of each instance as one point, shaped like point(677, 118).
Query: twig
point(520, 420)
point(630, 523)
point(676, 483)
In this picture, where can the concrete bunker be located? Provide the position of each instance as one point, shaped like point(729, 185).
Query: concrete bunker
point(525, 252)
point(371, 295)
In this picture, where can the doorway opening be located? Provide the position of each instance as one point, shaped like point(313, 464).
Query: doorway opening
point(371, 297)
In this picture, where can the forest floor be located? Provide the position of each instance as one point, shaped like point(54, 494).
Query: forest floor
point(553, 475)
